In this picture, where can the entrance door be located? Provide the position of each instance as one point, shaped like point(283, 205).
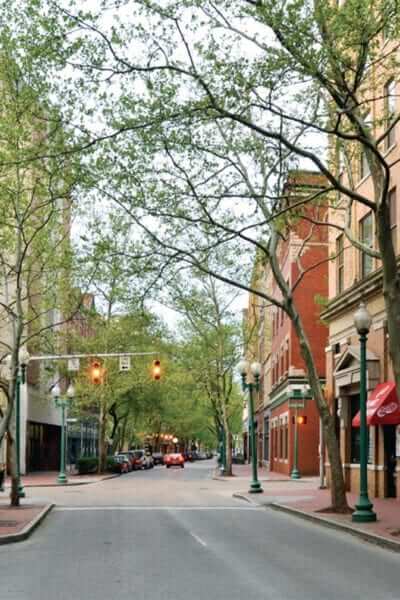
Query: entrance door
point(389, 440)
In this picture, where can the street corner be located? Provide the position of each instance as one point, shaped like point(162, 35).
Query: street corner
point(254, 499)
point(18, 523)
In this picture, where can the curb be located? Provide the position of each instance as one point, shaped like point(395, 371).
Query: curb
point(22, 535)
point(69, 484)
point(246, 499)
point(372, 538)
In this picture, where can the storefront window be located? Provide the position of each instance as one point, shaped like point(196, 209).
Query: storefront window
point(355, 431)
point(266, 438)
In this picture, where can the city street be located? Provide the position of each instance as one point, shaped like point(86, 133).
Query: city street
point(176, 534)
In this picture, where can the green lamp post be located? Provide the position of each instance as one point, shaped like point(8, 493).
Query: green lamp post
point(63, 403)
point(363, 512)
point(255, 486)
point(295, 472)
point(23, 360)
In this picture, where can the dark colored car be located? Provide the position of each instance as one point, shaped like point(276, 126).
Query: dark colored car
point(158, 458)
point(131, 458)
point(121, 464)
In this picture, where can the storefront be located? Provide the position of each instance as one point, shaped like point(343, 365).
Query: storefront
point(383, 420)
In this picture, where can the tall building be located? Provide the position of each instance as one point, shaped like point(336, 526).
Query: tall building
point(284, 399)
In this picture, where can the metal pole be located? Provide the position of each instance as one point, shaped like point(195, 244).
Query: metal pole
point(255, 486)
point(21, 491)
point(62, 478)
point(295, 474)
point(363, 512)
point(322, 485)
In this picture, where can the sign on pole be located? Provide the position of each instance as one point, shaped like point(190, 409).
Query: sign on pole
point(73, 364)
point(124, 363)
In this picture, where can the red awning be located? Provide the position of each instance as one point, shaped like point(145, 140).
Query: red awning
point(383, 406)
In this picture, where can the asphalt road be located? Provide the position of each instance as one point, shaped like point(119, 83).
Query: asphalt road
point(178, 535)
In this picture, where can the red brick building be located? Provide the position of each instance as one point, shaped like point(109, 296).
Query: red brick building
point(303, 256)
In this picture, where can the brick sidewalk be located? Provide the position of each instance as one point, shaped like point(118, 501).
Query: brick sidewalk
point(49, 479)
point(17, 523)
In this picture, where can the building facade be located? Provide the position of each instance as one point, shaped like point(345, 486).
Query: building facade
point(285, 409)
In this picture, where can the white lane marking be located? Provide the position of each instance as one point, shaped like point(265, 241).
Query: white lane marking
point(198, 539)
point(89, 508)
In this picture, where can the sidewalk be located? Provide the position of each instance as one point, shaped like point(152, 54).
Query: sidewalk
point(49, 479)
point(305, 501)
point(16, 524)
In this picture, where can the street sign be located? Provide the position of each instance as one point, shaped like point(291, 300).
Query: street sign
point(124, 363)
point(73, 364)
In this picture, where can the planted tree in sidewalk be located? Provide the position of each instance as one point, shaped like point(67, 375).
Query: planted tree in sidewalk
point(35, 203)
point(211, 347)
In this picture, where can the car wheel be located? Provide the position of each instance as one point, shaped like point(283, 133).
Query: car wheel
point(182, 466)
point(168, 466)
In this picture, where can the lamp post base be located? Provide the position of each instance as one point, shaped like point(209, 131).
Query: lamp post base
point(295, 474)
point(21, 491)
point(363, 513)
point(62, 479)
point(255, 488)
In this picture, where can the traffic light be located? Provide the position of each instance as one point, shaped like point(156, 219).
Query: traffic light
point(96, 373)
point(156, 369)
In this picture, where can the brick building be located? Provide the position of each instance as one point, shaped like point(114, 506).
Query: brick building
point(303, 254)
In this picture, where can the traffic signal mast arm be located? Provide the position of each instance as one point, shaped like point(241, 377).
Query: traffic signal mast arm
point(92, 355)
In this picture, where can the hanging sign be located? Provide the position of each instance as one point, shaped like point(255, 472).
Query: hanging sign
point(124, 363)
point(73, 364)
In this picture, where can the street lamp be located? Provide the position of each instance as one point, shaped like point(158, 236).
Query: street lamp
point(23, 360)
point(295, 473)
point(175, 441)
point(243, 367)
point(63, 403)
point(363, 512)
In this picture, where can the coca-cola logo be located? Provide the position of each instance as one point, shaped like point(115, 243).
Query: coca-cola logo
point(378, 396)
point(388, 409)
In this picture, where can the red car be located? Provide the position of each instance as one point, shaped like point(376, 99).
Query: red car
point(174, 460)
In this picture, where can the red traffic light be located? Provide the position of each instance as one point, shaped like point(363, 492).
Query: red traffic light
point(156, 369)
point(96, 373)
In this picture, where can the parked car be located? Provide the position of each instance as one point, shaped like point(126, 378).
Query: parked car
point(143, 460)
point(130, 457)
point(121, 464)
point(158, 458)
point(174, 460)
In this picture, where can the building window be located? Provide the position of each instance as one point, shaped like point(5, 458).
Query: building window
point(287, 360)
point(393, 217)
point(266, 438)
point(390, 111)
point(366, 237)
point(340, 264)
point(364, 166)
point(286, 443)
point(355, 431)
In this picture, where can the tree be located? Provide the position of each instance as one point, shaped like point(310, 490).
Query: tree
point(34, 232)
point(211, 348)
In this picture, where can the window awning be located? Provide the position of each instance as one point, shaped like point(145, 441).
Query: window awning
point(383, 406)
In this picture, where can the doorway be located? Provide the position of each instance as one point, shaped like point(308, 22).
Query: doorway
point(389, 440)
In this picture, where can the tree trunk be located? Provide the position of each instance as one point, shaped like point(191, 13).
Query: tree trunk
point(391, 288)
point(102, 438)
point(228, 440)
point(337, 487)
point(14, 496)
